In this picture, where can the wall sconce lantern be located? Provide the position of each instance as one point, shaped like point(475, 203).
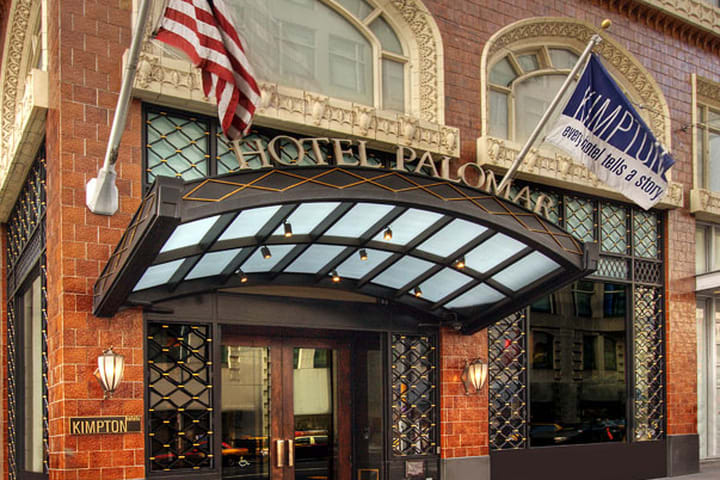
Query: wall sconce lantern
point(109, 373)
point(474, 376)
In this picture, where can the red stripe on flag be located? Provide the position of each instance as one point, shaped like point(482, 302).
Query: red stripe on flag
point(209, 38)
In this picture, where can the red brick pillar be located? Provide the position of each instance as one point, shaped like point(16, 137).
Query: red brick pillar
point(87, 40)
point(464, 418)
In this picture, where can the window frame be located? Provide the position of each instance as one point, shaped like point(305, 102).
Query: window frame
point(703, 129)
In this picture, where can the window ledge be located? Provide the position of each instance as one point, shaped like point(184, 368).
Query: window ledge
point(176, 83)
point(550, 168)
point(705, 204)
point(707, 282)
point(23, 139)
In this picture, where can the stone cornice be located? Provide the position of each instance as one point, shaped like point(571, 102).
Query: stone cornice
point(177, 83)
point(705, 205)
point(692, 21)
point(557, 170)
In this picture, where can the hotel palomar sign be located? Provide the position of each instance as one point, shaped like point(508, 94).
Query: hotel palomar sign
point(103, 425)
point(354, 153)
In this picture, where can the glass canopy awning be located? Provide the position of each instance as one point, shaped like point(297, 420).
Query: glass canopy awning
point(465, 256)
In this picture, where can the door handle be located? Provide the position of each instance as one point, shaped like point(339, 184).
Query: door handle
point(291, 453)
point(279, 453)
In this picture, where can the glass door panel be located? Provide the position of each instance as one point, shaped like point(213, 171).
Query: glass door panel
point(314, 425)
point(246, 416)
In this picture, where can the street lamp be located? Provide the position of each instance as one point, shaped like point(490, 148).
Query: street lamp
point(474, 376)
point(110, 370)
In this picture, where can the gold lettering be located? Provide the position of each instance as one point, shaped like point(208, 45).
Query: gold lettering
point(123, 425)
point(543, 204)
point(89, 426)
point(462, 171)
point(492, 186)
point(278, 159)
point(319, 157)
point(400, 157)
point(75, 427)
point(240, 154)
point(523, 198)
point(427, 158)
point(340, 153)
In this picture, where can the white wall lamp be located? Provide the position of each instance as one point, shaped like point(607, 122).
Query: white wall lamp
point(109, 373)
point(474, 376)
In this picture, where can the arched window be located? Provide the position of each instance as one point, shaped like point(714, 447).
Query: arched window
point(345, 49)
point(522, 85)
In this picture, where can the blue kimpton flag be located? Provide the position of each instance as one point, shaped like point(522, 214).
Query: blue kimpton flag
point(600, 128)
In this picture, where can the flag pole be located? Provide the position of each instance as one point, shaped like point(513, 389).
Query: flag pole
point(101, 193)
point(594, 40)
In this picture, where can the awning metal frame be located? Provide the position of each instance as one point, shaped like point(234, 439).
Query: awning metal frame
point(171, 202)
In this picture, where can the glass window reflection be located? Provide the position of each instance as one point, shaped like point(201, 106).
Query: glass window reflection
point(577, 349)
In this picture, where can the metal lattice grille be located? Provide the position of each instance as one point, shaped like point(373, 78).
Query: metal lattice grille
point(648, 272)
point(45, 366)
point(508, 383)
point(649, 391)
point(579, 218)
point(613, 227)
point(180, 400)
point(12, 391)
point(177, 146)
point(609, 267)
point(645, 234)
point(414, 411)
point(28, 211)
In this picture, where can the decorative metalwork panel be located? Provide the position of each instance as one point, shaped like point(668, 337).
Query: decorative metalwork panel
point(613, 226)
point(12, 390)
point(580, 218)
point(649, 364)
point(177, 146)
point(28, 211)
point(180, 400)
point(225, 158)
point(645, 234)
point(611, 267)
point(648, 272)
point(414, 411)
point(507, 392)
point(45, 366)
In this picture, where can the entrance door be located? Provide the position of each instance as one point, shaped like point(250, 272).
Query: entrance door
point(285, 408)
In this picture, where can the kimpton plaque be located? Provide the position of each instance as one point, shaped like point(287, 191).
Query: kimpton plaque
point(103, 425)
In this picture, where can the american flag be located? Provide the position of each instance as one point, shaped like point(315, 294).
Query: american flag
point(203, 29)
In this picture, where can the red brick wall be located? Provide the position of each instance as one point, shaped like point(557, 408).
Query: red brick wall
point(464, 418)
point(87, 39)
point(465, 28)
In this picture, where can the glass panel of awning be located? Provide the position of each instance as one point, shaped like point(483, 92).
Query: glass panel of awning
point(355, 267)
point(443, 283)
point(451, 237)
point(525, 271)
point(314, 258)
point(478, 295)
point(212, 263)
point(158, 274)
point(306, 217)
point(249, 222)
point(492, 252)
point(358, 220)
point(402, 272)
point(189, 233)
point(409, 225)
point(258, 263)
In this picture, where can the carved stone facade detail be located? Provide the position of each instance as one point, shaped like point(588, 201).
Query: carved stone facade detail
point(168, 80)
point(705, 204)
point(12, 78)
point(178, 83)
point(708, 90)
point(696, 12)
point(559, 170)
point(615, 57)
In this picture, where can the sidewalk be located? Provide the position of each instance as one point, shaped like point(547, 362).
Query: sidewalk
point(708, 471)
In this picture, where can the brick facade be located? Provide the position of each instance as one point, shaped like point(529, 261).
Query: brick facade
point(85, 49)
point(87, 40)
